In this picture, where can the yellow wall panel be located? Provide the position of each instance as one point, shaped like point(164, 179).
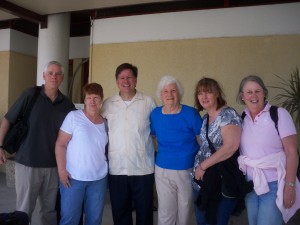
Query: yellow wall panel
point(226, 59)
point(22, 74)
point(4, 71)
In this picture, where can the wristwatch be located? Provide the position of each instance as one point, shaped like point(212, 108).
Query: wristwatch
point(291, 184)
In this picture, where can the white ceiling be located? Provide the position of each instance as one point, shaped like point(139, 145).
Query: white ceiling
point(46, 7)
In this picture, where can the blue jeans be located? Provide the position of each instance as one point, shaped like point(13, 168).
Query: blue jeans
point(262, 209)
point(87, 194)
point(225, 208)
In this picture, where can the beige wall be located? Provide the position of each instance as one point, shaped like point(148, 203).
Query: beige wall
point(22, 74)
point(17, 72)
point(4, 70)
point(226, 59)
point(77, 83)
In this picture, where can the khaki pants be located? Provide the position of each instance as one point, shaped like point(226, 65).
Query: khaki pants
point(34, 184)
point(175, 196)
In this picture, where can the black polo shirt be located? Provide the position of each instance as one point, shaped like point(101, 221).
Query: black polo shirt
point(46, 117)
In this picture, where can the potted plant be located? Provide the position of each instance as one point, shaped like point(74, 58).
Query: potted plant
point(289, 98)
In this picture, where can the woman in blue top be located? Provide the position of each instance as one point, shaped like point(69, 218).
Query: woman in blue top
point(175, 127)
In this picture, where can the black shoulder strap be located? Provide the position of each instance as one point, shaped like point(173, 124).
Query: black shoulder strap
point(274, 116)
point(211, 147)
point(243, 115)
point(31, 103)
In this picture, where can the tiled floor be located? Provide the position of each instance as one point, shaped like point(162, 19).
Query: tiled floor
point(7, 204)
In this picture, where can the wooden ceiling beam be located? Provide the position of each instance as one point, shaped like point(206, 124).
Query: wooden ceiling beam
point(23, 13)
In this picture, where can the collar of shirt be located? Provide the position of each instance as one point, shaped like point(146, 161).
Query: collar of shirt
point(138, 96)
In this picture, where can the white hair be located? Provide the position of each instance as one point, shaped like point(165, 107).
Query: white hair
point(53, 63)
point(166, 80)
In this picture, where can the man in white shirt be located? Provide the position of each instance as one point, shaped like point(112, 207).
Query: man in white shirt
point(131, 151)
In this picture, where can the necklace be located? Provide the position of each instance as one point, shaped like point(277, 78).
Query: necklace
point(172, 110)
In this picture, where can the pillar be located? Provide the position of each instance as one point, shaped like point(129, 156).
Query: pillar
point(53, 44)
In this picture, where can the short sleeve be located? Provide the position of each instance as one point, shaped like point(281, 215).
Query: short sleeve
point(286, 125)
point(230, 117)
point(18, 108)
point(67, 125)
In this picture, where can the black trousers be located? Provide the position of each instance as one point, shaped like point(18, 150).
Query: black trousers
point(125, 190)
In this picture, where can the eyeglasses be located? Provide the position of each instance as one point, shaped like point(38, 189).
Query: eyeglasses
point(50, 73)
point(251, 93)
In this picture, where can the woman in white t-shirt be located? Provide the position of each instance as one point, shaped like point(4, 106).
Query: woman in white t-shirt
point(81, 160)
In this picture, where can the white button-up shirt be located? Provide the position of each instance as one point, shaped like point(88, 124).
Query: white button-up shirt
point(131, 150)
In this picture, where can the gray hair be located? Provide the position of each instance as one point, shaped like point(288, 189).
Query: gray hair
point(166, 80)
point(54, 63)
point(255, 79)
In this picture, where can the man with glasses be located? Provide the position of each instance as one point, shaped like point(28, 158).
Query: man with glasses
point(35, 165)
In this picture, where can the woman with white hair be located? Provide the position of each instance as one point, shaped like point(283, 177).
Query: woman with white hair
point(175, 127)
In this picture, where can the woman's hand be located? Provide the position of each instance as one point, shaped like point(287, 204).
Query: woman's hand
point(199, 173)
point(289, 196)
point(64, 178)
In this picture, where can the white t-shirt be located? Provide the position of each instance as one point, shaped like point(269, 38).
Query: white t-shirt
point(85, 159)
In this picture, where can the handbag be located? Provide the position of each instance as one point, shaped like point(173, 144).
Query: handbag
point(14, 218)
point(233, 181)
point(18, 131)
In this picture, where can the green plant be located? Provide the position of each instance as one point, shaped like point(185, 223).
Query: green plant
point(289, 98)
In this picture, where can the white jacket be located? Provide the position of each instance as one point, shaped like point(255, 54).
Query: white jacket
point(272, 161)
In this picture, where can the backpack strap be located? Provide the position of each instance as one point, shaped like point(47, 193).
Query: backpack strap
point(243, 115)
point(26, 114)
point(274, 116)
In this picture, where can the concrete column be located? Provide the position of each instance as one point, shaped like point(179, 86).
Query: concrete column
point(53, 44)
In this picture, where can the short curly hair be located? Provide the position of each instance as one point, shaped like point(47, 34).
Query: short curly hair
point(166, 80)
point(93, 88)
